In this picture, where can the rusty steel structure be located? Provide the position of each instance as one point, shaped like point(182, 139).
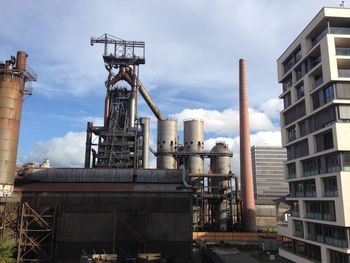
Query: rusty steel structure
point(123, 141)
point(247, 185)
point(14, 73)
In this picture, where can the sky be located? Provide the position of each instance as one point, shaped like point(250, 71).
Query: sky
point(191, 71)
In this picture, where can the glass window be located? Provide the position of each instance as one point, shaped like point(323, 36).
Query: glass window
point(330, 186)
point(328, 94)
point(346, 161)
point(332, 163)
point(300, 91)
point(292, 133)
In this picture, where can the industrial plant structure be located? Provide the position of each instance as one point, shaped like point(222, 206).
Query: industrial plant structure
point(315, 74)
point(116, 204)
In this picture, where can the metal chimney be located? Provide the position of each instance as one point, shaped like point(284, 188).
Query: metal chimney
point(247, 187)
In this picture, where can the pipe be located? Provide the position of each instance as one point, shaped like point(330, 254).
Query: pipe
point(128, 76)
point(145, 124)
point(21, 61)
point(183, 173)
point(88, 143)
point(247, 187)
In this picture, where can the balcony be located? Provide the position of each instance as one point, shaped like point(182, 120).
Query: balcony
point(331, 193)
point(344, 73)
point(335, 242)
point(342, 51)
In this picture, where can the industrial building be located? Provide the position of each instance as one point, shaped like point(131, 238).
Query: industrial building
point(268, 172)
point(116, 207)
point(315, 75)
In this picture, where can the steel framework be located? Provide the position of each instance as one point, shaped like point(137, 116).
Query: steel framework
point(214, 197)
point(36, 233)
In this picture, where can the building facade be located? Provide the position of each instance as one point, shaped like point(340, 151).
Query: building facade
point(315, 75)
point(268, 173)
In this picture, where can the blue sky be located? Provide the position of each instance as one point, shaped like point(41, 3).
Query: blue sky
point(191, 70)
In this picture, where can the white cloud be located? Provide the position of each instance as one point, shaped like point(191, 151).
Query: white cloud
point(66, 151)
point(272, 107)
point(227, 121)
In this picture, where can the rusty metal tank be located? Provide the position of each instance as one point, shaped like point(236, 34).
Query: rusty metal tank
point(13, 75)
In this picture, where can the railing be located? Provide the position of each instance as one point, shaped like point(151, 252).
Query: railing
point(344, 73)
point(318, 82)
point(342, 51)
point(335, 242)
point(295, 213)
point(331, 193)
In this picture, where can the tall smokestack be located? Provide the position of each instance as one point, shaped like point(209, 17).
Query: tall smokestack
point(247, 187)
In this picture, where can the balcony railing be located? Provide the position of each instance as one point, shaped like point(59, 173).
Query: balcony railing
point(344, 73)
point(335, 242)
point(342, 51)
point(331, 193)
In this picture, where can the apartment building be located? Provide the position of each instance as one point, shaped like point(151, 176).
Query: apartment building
point(315, 124)
point(268, 173)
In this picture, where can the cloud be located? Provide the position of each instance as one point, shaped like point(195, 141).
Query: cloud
point(272, 107)
point(66, 151)
point(227, 121)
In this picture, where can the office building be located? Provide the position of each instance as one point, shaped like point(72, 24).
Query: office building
point(268, 173)
point(315, 75)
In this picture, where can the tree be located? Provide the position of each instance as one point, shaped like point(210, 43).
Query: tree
point(7, 246)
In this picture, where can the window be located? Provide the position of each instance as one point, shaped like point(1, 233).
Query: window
point(318, 80)
point(292, 133)
point(295, 208)
point(338, 257)
point(291, 170)
point(330, 186)
point(328, 94)
point(300, 91)
point(310, 167)
point(306, 188)
point(294, 113)
point(342, 90)
point(346, 161)
point(298, 149)
point(287, 83)
point(292, 59)
point(332, 163)
point(298, 228)
point(344, 113)
point(324, 141)
point(335, 236)
point(287, 100)
point(320, 210)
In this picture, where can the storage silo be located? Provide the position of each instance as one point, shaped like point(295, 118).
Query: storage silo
point(220, 164)
point(194, 143)
point(13, 75)
point(167, 144)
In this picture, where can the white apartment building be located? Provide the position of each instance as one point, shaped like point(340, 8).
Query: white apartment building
point(315, 75)
point(268, 172)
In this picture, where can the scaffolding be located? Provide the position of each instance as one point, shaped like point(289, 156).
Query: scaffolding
point(36, 233)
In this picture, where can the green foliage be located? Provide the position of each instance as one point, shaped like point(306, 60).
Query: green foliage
point(6, 250)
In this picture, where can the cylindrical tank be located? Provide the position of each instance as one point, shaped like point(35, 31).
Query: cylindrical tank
point(145, 143)
point(167, 144)
point(11, 96)
point(220, 165)
point(194, 143)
